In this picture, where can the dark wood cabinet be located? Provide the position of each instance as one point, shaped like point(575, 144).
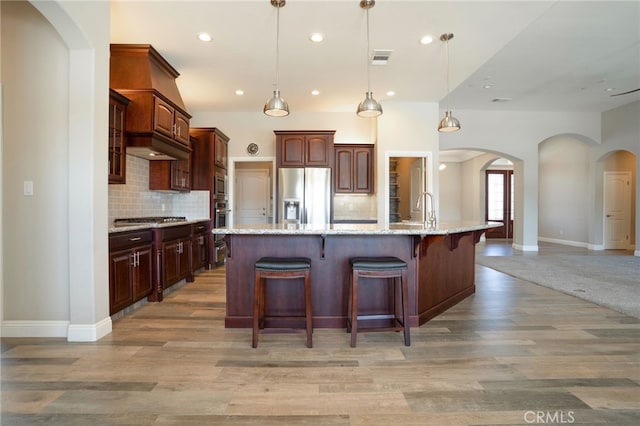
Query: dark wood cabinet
point(209, 156)
point(170, 175)
point(200, 245)
point(354, 169)
point(117, 144)
point(130, 268)
point(172, 244)
point(157, 122)
point(304, 148)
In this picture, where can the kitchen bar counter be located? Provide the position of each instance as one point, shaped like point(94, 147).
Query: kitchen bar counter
point(441, 265)
point(400, 228)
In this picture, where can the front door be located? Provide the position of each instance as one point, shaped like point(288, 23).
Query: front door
point(499, 202)
point(253, 192)
point(617, 214)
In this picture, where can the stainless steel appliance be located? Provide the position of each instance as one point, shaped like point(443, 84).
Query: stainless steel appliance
point(220, 220)
point(304, 195)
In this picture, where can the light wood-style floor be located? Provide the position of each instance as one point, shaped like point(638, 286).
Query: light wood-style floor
point(513, 353)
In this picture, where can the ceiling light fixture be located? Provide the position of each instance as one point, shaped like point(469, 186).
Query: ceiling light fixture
point(426, 39)
point(239, 92)
point(369, 107)
point(449, 123)
point(206, 37)
point(276, 106)
point(316, 37)
point(315, 92)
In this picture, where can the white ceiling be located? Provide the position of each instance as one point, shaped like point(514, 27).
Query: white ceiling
point(543, 55)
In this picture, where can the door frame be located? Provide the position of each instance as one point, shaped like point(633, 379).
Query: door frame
point(231, 172)
point(505, 231)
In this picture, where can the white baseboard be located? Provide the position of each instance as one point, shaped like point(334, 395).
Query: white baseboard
point(636, 253)
point(564, 242)
point(35, 328)
point(43, 329)
point(89, 332)
point(525, 248)
point(595, 247)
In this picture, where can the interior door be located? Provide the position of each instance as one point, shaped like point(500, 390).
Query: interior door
point(253, 192)
point(499, 202)
point(617, 214)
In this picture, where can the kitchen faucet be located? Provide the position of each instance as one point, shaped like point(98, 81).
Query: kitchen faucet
point(429, 220)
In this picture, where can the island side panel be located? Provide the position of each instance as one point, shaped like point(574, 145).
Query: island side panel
point(329, 274)
point(446, 272)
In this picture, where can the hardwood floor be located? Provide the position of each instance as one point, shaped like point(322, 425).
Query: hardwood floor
point(513, 353)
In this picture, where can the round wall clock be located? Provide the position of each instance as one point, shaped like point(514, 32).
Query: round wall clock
point(253, 148)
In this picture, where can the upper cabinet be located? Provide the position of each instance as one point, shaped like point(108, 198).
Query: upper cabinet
point(354, 169)
point(304, 148)
point(209, 156)
point(157, 123)
point(117, 117)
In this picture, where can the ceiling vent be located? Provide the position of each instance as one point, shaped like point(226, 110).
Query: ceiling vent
point(380, 56)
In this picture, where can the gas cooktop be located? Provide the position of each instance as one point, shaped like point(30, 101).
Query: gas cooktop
point(127, 221)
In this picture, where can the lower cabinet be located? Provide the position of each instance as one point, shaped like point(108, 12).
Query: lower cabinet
point(199, 246)
point(130, 268)
point(144, 263)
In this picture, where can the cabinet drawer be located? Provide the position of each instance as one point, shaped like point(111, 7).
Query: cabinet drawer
point(125, 240)
point(175, 232)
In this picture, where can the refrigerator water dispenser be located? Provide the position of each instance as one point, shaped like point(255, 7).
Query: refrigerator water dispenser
point(292, 210)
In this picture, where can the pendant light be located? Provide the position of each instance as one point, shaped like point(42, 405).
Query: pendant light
point(276, 106)
point(369, 107)
point(449, 123)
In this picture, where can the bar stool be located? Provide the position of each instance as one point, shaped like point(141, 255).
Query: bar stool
point(287, 268)
point(390, 268)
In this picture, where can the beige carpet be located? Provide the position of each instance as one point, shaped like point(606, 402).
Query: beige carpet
point(612, 281)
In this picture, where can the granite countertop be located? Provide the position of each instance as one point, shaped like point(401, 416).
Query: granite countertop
point(402, 228)
point(115, 229)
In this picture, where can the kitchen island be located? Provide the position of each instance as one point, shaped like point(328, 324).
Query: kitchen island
point(441, 263)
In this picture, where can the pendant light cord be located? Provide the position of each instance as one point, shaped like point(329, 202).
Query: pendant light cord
point(277, 46)
point(367, 56)
point(447, 54)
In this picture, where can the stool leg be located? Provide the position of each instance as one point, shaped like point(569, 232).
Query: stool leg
point(257, 292)
point(405, 312)
point(354, 308)
point(308, 308)
point(349, 302)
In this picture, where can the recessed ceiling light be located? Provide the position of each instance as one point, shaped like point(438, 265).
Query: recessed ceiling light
point(488, 86)
point(315, 92)
point(316, 37)
point(204, 37)
point(391, 93)
point(239, 92)
point(442, 166)
point(427, 39)
point(609, 89)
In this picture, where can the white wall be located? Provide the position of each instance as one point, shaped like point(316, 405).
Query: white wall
point(563, 176)
point(55, 76)
point(451, 187)
point(35, 228)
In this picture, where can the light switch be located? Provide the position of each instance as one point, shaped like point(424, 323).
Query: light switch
point(28, 188)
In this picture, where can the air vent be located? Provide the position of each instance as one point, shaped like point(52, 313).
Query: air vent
point(380, 56)
point(498, 100)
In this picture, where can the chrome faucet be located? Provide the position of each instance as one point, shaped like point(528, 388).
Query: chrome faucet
point(430, 218)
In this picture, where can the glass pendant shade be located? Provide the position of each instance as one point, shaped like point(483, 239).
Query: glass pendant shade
point(276, 106)
point(369, 107)
point(449, 123)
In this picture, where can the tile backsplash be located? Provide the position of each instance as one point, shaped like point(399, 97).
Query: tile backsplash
point(134, 199)
point(354, 207)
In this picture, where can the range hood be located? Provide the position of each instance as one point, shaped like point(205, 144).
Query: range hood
point(156, 109)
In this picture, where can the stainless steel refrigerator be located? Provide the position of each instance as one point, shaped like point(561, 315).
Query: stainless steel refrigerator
point(304, 195)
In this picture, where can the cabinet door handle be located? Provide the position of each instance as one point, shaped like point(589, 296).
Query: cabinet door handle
point(135, 239)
